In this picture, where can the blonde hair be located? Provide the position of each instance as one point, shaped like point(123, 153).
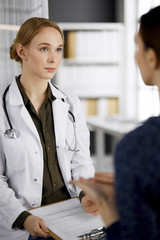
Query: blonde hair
point(28, 30)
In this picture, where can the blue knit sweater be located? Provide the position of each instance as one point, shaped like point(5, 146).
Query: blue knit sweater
point(137, 169)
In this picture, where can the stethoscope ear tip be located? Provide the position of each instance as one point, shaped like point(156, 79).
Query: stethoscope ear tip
point(12, 133)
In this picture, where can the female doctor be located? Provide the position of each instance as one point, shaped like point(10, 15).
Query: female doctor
point(44, 141)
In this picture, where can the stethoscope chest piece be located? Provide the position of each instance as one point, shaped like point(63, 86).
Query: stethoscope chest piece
point(12, 133)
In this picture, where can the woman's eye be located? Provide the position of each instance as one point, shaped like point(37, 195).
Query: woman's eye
point(59, 49)
point(44, 49)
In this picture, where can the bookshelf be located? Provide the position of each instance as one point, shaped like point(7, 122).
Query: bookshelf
point(92, 66)
point(99, 110)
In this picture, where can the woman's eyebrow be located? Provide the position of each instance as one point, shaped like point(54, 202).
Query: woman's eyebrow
point(44, 43)
point(60, 45)
point(48, 44)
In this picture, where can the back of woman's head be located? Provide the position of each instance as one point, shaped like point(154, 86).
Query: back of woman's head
point(150, 29)
point(28, 31)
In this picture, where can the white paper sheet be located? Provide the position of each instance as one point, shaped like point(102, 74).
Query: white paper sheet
point(68, 219)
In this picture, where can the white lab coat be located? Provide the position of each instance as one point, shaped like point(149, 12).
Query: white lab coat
point(21, 159)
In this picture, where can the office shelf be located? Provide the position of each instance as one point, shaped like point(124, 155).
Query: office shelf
point(92, 66)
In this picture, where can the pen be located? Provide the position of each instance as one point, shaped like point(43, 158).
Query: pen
point(94, 233)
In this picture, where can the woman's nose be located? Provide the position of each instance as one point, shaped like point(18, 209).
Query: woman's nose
point(52, 58)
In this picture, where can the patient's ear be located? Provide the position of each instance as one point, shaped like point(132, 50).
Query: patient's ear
point(152, 58)
point(21, 51)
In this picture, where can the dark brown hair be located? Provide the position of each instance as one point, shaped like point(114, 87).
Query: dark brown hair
point(150, 29)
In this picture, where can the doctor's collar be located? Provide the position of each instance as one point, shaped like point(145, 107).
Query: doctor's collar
point(49, 94)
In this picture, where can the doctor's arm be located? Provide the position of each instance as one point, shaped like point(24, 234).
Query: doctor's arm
point(10, 207)
point(12, 213)
point(82, 165)
point(33, 224)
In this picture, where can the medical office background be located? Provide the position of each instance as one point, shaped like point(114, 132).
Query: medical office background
point(98, 63)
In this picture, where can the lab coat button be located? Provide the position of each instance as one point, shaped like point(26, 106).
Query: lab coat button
point(35, 179)
point(36, 152)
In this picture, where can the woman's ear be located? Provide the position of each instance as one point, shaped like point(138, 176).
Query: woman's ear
point(21, 51)
point(152, 58)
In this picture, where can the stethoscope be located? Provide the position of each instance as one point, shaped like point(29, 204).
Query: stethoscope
point(11, 132)
point(14, 133)
point(68, 147)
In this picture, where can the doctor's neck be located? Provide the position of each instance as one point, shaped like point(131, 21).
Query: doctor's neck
point(35, 89)
point(34, 86)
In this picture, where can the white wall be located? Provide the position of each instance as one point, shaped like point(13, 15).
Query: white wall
point(129, 85)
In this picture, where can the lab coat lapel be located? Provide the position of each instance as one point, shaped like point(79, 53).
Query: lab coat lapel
point(15, 99)
point(28, 120)
point(60, 115)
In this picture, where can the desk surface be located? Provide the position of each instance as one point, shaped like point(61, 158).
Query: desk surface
point(111, 125)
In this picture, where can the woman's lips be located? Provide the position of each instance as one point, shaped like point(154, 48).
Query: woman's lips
point(50, 69)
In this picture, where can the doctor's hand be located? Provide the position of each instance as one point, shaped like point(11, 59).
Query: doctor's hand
point(36, 227)
point(89, 206)
point(102, 193)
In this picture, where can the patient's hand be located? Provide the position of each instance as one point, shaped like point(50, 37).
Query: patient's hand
point(104, 177)
point(102, 194)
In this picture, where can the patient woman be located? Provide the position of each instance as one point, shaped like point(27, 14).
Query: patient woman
point(131, 208)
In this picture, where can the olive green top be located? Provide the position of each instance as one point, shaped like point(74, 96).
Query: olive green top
point(54, 188)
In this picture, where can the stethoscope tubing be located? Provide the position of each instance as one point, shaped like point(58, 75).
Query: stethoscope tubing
point(5, 107)
point(13, 133)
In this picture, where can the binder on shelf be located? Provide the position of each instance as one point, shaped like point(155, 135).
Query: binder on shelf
point(92, 106)
point(112, 106)
point(91, 72)
point(70, 45)
point(84, 45)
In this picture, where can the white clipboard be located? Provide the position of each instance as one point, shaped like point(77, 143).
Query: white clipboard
point(67, 219)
